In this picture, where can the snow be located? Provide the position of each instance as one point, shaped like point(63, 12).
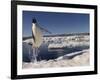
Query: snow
point(79, 60)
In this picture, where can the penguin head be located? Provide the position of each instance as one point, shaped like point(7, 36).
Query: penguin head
point(34, 20)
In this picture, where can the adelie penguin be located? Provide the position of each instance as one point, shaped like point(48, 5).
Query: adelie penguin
point(37, 35)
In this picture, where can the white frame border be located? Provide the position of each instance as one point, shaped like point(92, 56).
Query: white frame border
point(21, 71)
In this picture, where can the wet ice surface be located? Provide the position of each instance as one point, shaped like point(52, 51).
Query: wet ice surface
point(48, 54)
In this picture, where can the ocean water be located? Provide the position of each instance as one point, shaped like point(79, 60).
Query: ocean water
point(47, 54)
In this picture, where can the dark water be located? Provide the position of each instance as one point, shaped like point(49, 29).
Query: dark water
point(47, 54)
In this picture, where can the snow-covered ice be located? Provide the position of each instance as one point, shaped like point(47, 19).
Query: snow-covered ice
point(76, 58)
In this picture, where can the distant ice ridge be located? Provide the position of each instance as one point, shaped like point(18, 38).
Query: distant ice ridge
point(67, 44)
point(64, 41)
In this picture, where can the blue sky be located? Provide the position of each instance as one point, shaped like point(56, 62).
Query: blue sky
point(57, 23)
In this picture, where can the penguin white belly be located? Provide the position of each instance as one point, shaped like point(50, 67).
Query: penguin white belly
point(38, 36)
